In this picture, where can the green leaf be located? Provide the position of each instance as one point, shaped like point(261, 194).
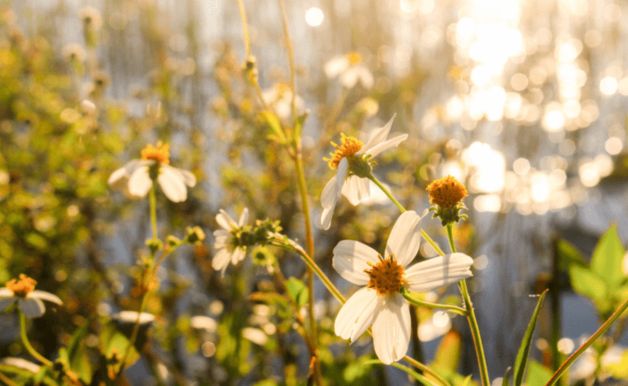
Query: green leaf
point(569, 254)
point(619, 369)
point(608, 258)
point(524, 348)
point(507, 375)
point(537, 374)
point(448, 353)
point(417, 377)
point(297, 291)
point(274, 125)
point(587, 283)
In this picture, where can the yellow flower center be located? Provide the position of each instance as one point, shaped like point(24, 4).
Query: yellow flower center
point(348, 147)
point(354, 58)
point(386, 277)
point(159, 153)
point(21, 286)
point(446, 192)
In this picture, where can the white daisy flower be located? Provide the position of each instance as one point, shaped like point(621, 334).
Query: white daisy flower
point(135, 177)
point(279, 96)
point(226, 243)
point(379, 303)
point(353, 161)
point(29, 300)
point(350, 70)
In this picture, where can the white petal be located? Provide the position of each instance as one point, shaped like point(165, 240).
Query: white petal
point(365, 76)
point(335, 66)
point(6, 293)
point(244, 217)
point(6, 303)
point(238, 254)
point(341, 174)
point(140, 182)
point(31, 307)
point(220, 261)
point(188, 178)
point(356, 189)
point(405, 238)
point(357, 314)
point(388, 144)
point(391, 329)
point(377, 136)
point(349, 79)
point(326, 216)
point(117, 177)
point(225, 221)
point(172, 183)
point(352, 258)
point(47, 296)
point(329, 198)
point(438, 272)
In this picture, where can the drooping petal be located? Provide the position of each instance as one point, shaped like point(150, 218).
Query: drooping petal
point(117, 177)
point(388, 144)
point(238, 254)
point(356, 189)
point(140, 182)
point(405, 238)
point(365, 76)
point(438, 272)
point(377, 136)
point(47, 296)
point(341, 174)
point(335, 66)
point(352, 258)
point(31, 307)
point(244, 217)
point(172, 183)
point(221, 238)
point(225, 221)
point(391, 329)
point(221, 259)
point(6, 293)
point(329, 198)
point(349, 78)
point(6, 303)
point(357, 314)
point(188, 178)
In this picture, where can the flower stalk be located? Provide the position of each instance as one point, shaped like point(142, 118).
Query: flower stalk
point(27, 344)
point(413, 299)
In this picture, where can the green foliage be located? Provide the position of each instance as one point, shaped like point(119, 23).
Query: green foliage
point(537, 374)
point(526, 341)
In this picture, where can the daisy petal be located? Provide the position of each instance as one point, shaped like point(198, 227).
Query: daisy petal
point(140, 182)
point(329, 198)
point(356, 189)
point(391, 329)
point(31, 307)
point(349, 78)
point(341, 174)
point(244, 217)
point(221, 261)
point(357, 314)
point(388, 144)
point(336, 66)
point(352, 258)
point(47, 296)
point(365, 76)
point(117, 177)
point(238, 255)
point(405, 238)
point(377, 136)
point(172, 183)
point(6, 293)
point(438, 272)
point(225, 221)
point(188, 178)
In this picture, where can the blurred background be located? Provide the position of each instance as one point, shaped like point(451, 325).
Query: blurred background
point(524, 101)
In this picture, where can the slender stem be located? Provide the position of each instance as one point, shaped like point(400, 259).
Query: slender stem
point(288, 42)
point(7, 380)
point(27, 344)
point(471, 319)
point(426, 370)
point(152, 203)
point(413, 298)
point(600, 331)
point(387, 192)
point(245, 29)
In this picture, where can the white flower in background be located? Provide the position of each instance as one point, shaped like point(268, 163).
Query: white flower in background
point(226, 242)
point(350, 70)
point(379, 303)
point(353, 161)
point(279, 97)
point(132, 317)
point(135, 177)
point(29, 300)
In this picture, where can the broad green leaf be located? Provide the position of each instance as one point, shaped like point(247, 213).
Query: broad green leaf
point(524, 348)
point(607, 259)
point(297, 291)
point(619, 369)
point(448, 352)
point(569, 254)
point(538, 375)
point(587, 283)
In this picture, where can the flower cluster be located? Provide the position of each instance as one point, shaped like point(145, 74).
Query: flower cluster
point(446, 195)
point(29, 300)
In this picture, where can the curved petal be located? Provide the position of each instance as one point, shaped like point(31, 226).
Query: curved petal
point(388, 144)
point(357, 314)
point(352, 258)
point(221, 238)
point(140, 182)
point(118, 177)
point(6, 303)
point(365, 76)
point(329, 198)
point(220, 261)
point(405, 238)
point(377, 136)
point(438, 272)
point(6, 293)
point(31, 307)
point(349, 78)
point(172, 183)
point(188, 178)
point(391, 329)
point(225, 221)
point(356, 189)
point(47, 296)
point(244, 217)
point(341, 174)
point(335, 66)
point(238, 254)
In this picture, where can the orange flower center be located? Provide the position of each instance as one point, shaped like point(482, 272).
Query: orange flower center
point(354, 58)
point(386, 277)
point(348, 147)
point(446, 192)
point(159, 153)
point(21, 286)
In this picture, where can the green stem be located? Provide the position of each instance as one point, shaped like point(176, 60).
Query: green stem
point(27, 344)
point(290, 49)
point(387, 192)
point(471, 319)
point(152, 202)
point(600, 331)
point(245, 29)
point(412, 298)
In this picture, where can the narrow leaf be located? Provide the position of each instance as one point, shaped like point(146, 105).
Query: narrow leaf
point(524, 348)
